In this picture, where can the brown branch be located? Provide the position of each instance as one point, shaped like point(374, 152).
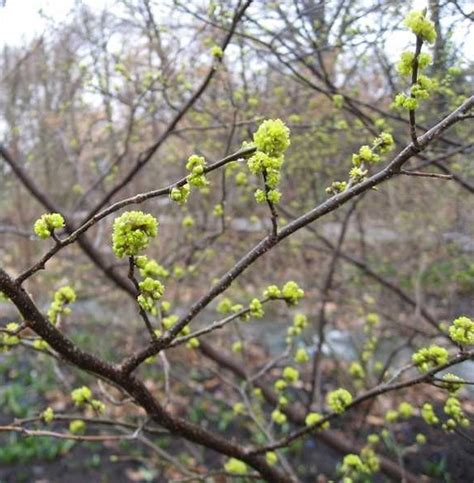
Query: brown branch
point(369, 395)
point(130, 384)
point(333, 203)
point(422, 174)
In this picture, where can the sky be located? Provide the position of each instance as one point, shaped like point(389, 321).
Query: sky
point(21, 19)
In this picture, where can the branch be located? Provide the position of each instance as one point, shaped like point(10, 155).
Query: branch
point(270, 241)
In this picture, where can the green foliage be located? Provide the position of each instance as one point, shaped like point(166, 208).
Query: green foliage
point(26, 450)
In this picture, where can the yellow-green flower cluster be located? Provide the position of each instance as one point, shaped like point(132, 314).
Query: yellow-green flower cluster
point(47, 415)
point(218, 210)
point(193, 343)
point(301, 356)
point(196, 166)
point(292, 293)
point(278, 417)
point(428, 414)
point(45, 226)
point(235, 467)
point(150, 268)
point(352, 467)
point(256, 309)
point(237, 346)
point(366, 155)
point(271, 458)
point(405, 411)
point(280, 385)
point(9, 340)
point(314, 418)
point(406, 102)
point(40, 344)
point(356, 370)
point(151, 291)
point(226, 306)
point(188, 221)
point(462, 331)
point(336, 187)
point(338, 101)
point(372, 319)
point(300, 322)
point(420, 439)
point(452, 383)
point(419, 91)
point(62, 297)
point(77, 426)
point(180, 194)
point(391, 416)
point(405, 65)
point(238, 408)
point(370, 460)
point(360, 467)
point(83, 396)
point(217, 52)
point(453, 409)
point(290, 374)
point(429, 357)
point(424, 29)
point(271, 139)
point(338, 400)
point(417, 22)
point(241, 179)
point(272, 292)
point(168, 322)
point(132, 232)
